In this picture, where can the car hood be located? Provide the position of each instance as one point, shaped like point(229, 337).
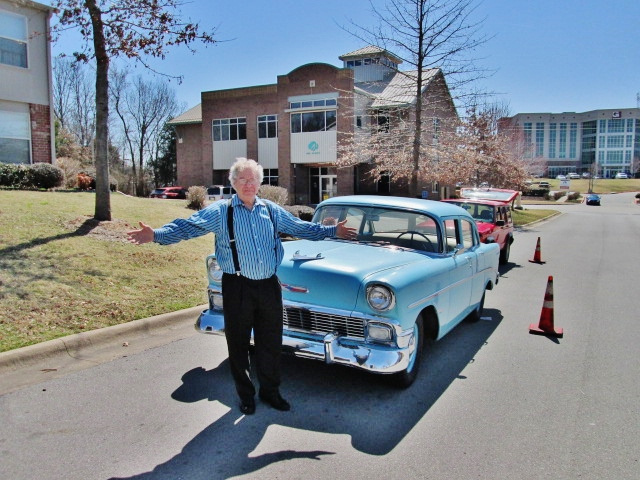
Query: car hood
point(331, 272)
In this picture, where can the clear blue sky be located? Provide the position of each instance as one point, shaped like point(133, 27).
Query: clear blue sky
point(548, 55)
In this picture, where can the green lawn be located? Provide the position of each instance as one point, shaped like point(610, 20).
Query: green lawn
point(60, 273)
point(599, 185)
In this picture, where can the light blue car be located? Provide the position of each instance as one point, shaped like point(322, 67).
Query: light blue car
point(416, 270)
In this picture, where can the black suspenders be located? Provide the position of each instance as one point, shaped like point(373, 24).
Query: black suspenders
point(232, 239)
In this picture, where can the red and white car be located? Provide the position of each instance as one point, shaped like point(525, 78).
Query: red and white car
point(491, 210)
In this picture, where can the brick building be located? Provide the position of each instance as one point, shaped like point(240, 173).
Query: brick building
point(293, 127)
point(26, 116)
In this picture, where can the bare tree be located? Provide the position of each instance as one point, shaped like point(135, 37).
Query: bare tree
point(427, 35)
point(143, 108)
point(112, 28)
point(491, 155)
point(74, 100)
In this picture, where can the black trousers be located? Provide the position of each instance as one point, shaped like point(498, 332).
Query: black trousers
point(253, 304)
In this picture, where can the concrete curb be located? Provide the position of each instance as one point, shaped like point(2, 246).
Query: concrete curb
point(75, 345)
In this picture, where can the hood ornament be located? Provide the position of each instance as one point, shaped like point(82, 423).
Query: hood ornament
point(299, 256)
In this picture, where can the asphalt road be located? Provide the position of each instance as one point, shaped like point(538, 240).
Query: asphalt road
point(492, 401)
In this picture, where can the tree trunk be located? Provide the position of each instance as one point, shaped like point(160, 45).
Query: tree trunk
point(103, 199)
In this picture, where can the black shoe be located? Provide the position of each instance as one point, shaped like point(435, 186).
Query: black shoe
point(248, 407)
point(276, 401)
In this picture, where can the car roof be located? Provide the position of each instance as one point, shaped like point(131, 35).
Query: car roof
point(437, 208)
point(478, 201)
point(497, 194)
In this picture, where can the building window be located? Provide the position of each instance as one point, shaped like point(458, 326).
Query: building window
point(539, 139)
point(615, 141)
point(359, 121)
point(552, 140)
point(13, 40)
point(573, 140)
point(527, 132)
point(589, 128)
point(629, 140)
point(319, 121)
point(229, 129)
point(323, 102)
point(602, 126)
point(268, 126)
point(270, 177)
point(614, 157)
point(15, 137)
point(630, 125)
point(381, 122)
point(616, 125)
point(436, 131)
point(563, 141)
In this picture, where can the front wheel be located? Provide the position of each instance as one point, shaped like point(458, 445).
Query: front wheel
point(477, 312)
point(405, 379)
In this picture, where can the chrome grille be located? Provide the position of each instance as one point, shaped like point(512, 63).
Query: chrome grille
point(322, 323)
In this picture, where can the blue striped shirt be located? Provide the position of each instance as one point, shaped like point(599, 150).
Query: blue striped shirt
point(259, 248)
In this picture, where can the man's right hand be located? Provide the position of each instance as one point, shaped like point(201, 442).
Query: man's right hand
point(144, 235)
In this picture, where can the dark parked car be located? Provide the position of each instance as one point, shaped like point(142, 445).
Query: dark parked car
point(592, 199)
point(170, 192)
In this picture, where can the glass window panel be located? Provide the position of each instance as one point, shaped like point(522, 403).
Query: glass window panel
point(318, 103)
point(296, 123)
point(14, 150)
point(616, 125)
point(630, 123)
point(467, 234)
point(331, 102)
point(313, 121)
point(262, 130)
point(272, 130)
point(14, 124)
point(330, 120)
point(13, 26)
point(13, 53)
point(306, 104)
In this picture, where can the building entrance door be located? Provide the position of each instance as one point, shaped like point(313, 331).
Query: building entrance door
point(328, 186)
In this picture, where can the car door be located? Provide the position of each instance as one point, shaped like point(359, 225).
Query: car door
point(463, 268)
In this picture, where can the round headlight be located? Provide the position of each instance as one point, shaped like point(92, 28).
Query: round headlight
point(215, 272)
point(380, 298)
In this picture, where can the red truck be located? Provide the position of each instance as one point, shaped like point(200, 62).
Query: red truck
point(491, 209)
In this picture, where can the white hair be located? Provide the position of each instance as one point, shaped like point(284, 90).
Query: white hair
point(240, 165)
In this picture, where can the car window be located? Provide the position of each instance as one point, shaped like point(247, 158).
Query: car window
point(451, 232)
point(468, 237)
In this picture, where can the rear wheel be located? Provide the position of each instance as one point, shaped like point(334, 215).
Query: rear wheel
point(504, 253)
point(405, 378)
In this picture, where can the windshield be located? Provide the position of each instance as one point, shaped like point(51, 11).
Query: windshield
point(387, 227)
point(480, 213)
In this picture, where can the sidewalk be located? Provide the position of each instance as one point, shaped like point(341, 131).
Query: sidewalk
point(55, 358)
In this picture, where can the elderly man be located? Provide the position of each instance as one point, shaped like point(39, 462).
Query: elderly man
point(248, 250)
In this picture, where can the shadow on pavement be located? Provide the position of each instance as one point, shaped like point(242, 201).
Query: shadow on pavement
point(325, 399)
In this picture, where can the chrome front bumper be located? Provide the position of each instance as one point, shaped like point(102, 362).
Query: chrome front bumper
point(331, 349)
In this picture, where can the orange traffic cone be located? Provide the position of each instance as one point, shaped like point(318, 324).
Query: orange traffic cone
point(545, 327)
point(536, 255)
